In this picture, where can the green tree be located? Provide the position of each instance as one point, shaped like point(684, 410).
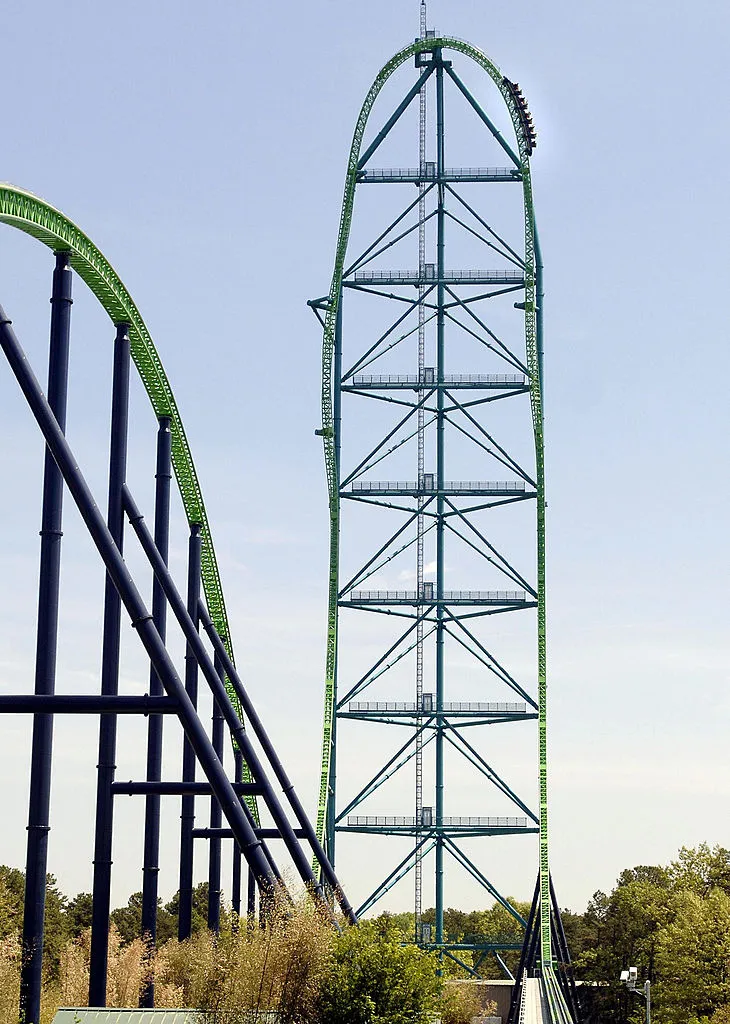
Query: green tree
point(200, 912)
point(78, 914)
point(693, 957)
point(580, 933)
point(11, 918)
point(619, 931)
point(129, 919)
point(496, 923)
point(669, 923)
point(12, 888)
point(701, 869)
point(405, 921)
point(376, 979)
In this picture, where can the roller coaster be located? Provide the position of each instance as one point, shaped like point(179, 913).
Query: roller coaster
point(435, 409)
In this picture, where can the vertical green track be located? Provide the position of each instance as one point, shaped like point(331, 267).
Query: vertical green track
point(533, 342)
point(32, 215)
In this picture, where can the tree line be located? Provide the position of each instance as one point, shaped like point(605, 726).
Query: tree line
point(671, 922)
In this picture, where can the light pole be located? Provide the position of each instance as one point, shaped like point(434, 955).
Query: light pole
point(629, 979)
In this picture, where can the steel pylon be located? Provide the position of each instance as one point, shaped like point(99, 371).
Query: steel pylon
point(433, 435)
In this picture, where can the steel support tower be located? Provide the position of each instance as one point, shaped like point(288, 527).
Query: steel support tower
point(433, 437)
point(252, 800)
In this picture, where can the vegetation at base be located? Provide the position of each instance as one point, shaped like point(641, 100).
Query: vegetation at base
point(375, 977)
point(672, 923)
point(296, 968)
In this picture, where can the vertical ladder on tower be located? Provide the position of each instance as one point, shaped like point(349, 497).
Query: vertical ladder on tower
point(421, 420)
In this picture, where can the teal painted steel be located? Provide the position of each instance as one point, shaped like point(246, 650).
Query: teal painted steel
point(531, 282)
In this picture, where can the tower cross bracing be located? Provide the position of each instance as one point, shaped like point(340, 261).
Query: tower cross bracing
point(432, 428)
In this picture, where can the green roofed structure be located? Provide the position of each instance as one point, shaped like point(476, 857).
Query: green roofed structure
point(70, 1015)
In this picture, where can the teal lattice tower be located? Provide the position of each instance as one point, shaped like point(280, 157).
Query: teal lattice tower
point(432, 425)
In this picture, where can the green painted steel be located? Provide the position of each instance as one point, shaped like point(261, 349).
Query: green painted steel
point(34, 216)
point(533, 342)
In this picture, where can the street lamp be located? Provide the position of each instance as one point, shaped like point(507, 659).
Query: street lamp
point(630, 980)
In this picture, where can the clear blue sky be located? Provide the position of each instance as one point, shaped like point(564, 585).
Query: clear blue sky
point(203, 148)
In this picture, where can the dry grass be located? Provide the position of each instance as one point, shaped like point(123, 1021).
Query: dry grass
point(462, 1002)
point(9, 977)
point(127, 971)
point(245, 975)
point(248, 975)
point(184, 970)
point(10, 961)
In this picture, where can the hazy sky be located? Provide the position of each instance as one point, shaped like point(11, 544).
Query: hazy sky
point(203, 148)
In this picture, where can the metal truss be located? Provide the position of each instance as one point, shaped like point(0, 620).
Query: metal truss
point(407, 359)
point(259, 785)
point(539, 995)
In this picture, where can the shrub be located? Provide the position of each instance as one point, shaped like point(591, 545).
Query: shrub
point(460, 1003)
point(375, 979)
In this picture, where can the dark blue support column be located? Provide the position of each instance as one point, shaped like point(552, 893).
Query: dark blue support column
point(45, 666)
point(216, 820)
point(298, 856)
point(251, 897)
point(187, 814)
point(151, 866)
point(237, 856)
point(261, 855)
point(141, 619)
point(237, 729)
point(109, 679)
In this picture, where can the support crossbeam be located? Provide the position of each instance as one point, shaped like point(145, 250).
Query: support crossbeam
point(417, 175)
point(81, 704)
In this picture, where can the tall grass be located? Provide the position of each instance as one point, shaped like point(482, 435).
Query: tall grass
point(9, 977)
point(249, 974)
point(128, 969)
point(246, 975)
point(241, 975)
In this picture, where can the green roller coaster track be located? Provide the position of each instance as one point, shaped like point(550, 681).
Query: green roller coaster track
point(32, 215)
point(533, 340)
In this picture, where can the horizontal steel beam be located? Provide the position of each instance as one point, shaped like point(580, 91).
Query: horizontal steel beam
point(416, 175)
point(58, 704)
point(179, 788)
point(412, 277)
point(489, 947)
point(455, 831)
point(227, 833)
point(431, 717)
